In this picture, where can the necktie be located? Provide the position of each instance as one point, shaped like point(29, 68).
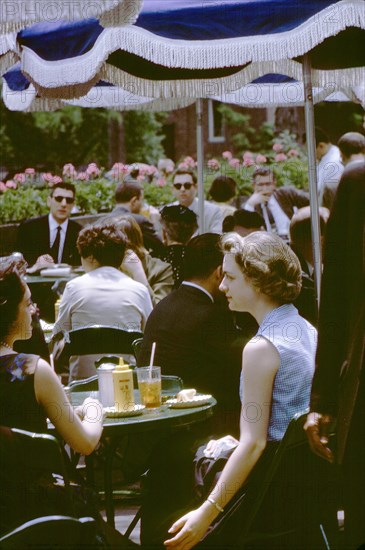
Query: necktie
point(56, 245)
point(265, 212)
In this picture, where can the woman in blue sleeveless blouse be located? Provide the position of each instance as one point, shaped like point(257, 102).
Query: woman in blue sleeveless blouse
point(262, 276)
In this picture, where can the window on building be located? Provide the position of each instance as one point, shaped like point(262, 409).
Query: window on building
point(215, 122)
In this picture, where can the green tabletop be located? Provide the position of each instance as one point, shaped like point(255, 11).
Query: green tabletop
point(162, 418)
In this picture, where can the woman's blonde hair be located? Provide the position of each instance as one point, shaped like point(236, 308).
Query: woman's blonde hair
point(269, 264)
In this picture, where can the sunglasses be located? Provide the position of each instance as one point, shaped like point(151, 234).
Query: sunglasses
point(68, 200)
point(186, 186)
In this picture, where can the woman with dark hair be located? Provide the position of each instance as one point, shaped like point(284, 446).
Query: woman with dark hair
point(30, 391)
point(104, 295)
point(262, 276)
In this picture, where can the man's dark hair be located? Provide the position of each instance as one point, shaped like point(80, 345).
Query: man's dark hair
point(127, 190)
point(181, 171)
point(321, 136)
point(351, 143)
point(203, 255)
point(300, 226)
point(179, 222)
point(243, 218)
point(104, 243)
point(223, 189)
point(63, 185)
point(263, 171)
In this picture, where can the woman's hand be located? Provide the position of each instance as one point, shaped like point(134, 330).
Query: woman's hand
point(132, 266)
point(191, 527)
point(317, 428)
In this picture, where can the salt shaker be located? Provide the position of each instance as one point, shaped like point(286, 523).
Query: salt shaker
point(106, 386)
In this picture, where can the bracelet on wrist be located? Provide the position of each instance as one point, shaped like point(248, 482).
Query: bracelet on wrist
point(217, 506)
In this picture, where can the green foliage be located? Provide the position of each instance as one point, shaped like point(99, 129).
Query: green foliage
point(245, 136)
point(143, 136)
point(19, 204)
point(95, 196)
point(156, 195)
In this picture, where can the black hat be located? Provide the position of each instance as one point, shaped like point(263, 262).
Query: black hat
point(178, 214)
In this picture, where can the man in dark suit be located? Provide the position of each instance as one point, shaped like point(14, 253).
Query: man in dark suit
point(275, 204)
point(195, 335)
point(52, 238)
point(338, 389)
point(129, 199)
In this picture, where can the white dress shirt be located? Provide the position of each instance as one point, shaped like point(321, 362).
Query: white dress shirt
point(281, 220)
point(213, 216)
point(329, 171)
point(53, 225)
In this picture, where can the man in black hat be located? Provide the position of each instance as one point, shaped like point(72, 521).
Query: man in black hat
point(179, 224)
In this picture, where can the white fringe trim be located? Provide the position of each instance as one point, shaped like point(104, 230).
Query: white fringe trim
point(205, 54)
point(195, 54)
point(16, 14)
point(7, 61)
point(289, 94)
point(18, 101)
point(8, 43)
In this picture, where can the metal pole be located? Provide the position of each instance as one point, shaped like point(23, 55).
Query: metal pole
point(312, 173)
point(200, 161)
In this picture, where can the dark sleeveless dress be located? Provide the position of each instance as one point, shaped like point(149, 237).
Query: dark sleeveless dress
point(18, 404)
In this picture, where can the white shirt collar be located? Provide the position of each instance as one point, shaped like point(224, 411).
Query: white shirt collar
point(194, 285)
point(53, 224)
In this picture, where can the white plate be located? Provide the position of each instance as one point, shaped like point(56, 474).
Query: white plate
point(112, 412)
point(197, 401)
point(55, 272)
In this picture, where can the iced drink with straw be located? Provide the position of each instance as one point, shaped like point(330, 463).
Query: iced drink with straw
point(149, 383)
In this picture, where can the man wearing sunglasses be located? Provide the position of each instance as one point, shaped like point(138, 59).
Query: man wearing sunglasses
point(51, 239)
point(184, 187)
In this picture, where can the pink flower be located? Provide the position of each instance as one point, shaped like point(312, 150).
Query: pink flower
point(277, 147)
point(140, 177)
point(83, 176)
point(293, 153)
point(161, 182)
point(92, 170)
point(280, 157)
point(213, 164)
point(3, 187)
point(29, 171)
point(227, 155)
point(183, 166)
point(119, 170)
point(261, 159)
point(235, 163)
point(247, 155)
point(248, 162)
point(10, 184)
point(56, 179)
point(190, 162)
point(47, 177)
point(166, 165)
point(69, 171)
point(19, 177)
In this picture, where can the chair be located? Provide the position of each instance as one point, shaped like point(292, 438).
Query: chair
point(290, 496)
point(29, 463)
point(99, 339)
point(52, 532)
point(136, 345)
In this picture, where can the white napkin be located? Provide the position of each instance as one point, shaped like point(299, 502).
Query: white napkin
point(220, 445)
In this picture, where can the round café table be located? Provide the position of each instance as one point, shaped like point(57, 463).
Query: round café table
point(165, 419)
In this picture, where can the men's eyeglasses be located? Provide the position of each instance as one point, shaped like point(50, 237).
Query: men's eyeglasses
point(68, 200)
point(186, 186)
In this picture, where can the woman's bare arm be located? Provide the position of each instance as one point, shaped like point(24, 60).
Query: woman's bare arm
point(82, 435)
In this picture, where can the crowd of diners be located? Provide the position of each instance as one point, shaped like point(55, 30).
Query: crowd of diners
point(233, 312)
